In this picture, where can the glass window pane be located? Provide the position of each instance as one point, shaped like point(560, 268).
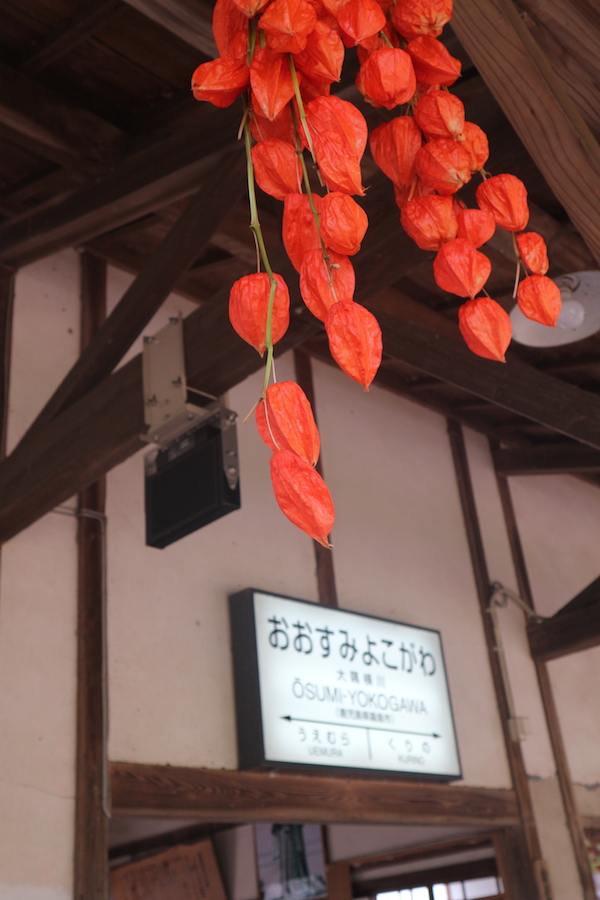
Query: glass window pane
point(420, 893)
point(440, 892)
point(391, 895)
point(480, 887)
point(455, 889)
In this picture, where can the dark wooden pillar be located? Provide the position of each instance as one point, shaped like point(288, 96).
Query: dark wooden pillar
point(323, 557)
point(532, 882)
point(7, 291)
point(91, 802)
point(572, 816)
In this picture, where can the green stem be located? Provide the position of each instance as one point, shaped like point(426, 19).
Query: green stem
point(386, 39)
point(301, 109)
point(311, 201)
point(260, 243)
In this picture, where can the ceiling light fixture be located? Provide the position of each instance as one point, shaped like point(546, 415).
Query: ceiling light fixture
point(579, 317)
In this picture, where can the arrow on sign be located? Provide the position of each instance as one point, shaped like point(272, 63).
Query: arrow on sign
point(368, 727)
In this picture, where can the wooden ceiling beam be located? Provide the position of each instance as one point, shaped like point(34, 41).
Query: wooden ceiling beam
point(571, 459)
point(219, 795)
point(189, 20)
point(73, 31)
point(564, 633)
point(140, 183)
point(55, 129)
point(525, 85)
point(182, 245)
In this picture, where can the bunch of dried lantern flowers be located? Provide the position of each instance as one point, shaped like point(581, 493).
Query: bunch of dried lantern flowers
point(283, 56)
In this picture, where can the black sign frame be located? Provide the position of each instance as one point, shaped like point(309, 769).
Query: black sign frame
point(249, 719)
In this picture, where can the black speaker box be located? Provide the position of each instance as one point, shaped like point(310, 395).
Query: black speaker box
point(191, 482)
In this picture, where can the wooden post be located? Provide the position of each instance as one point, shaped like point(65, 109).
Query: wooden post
point(7, 292)
point(529, 886)
point(91, 798)
point(572, 816)
point(323, 556)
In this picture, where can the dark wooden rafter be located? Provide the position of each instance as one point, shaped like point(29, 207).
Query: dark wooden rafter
point(182, 245)
point(54, 128)
point(547, 460)
point(71, 32)
point(91, 822)
point(187, 19)
point(573, 628)
point(573, 819)
point(168, 170)
point(527, 88)
point(219, 795)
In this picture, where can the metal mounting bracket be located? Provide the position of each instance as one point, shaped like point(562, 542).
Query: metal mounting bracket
point(170, 407)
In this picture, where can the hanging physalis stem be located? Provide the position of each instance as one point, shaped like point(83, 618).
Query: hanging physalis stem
point(301, 110)
point(518, 272)
point(262, 251)
point(386, 39)
point(313, 208)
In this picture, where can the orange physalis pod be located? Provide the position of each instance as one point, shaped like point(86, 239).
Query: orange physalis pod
point(277, 168)
point(250, 7)
point(338, 165)
point(476, 225)
point(414, 17)
point(354, 340)
point(461, 269)
point(394, 146)
point(281, 128)
point(429, 221)
point(323, 57)
point(539, 299)
point(486, 328)
point(334, 114)
point(387, 78)
point(324, 283)
point(533, 252)
point(403, 193)
point(302, 495)
point(361, 19)
point(299, 228)
point(249, 305)
point(227, 24)
point(506, 198)
point(474, 141)
point(220, 81)
point(271, 82)
point(377, 42)
point(285, 421)
point(432, 62)
point(310, 90)
point(443, 165)
point(287, 24)
point(343, 223)
point(439, 114)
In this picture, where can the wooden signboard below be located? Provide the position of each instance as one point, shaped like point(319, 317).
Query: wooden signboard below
point(188, 872)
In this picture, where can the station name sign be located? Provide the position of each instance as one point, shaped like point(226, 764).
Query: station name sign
point(323, 687)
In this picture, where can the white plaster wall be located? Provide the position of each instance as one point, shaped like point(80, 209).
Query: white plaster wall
point(171, 685)
point(399, 551)
point(400, 547)
point(38, 617)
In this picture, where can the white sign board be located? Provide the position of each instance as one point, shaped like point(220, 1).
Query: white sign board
point(317, 686)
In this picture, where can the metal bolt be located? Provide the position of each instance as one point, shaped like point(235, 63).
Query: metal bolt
point(232, 470)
